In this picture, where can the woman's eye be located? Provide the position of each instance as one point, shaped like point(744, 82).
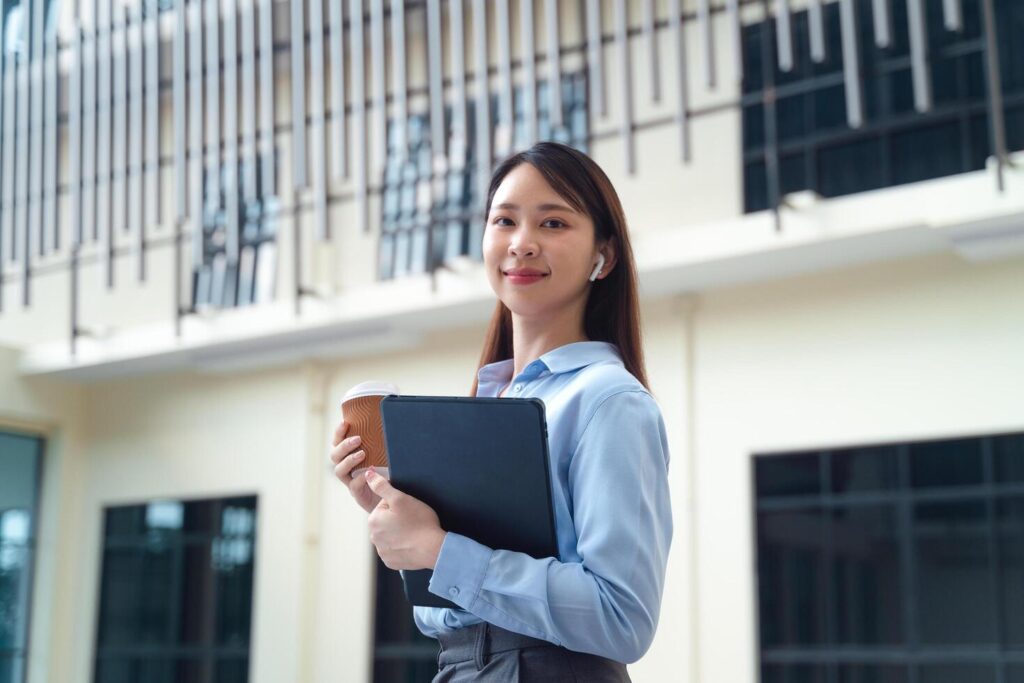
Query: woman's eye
point(553, 223)
point(500, 220)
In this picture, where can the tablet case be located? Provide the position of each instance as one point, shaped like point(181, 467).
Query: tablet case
point(481, 464)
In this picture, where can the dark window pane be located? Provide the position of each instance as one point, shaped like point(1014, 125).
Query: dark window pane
point(232, 671)
point(830, 108)
point(787, 475)
point(869, 673)
point(793, 173)
point(14, 580)
point(1010, 535)
point(1015, 128)
point(792, 577)
point(792, 673)
point(393, 622)
point(953, 569)
point(753, 127)
point(179, 598)
point(957, 673)
point(850, 167)
point(865, 469)
point(1014, 673)
point(1008, 451)
point(868, 595)
point(792, 118)
point(953, 462)
point(925, 153)
point(755, 187)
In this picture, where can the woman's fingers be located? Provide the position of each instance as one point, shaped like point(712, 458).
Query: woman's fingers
point(345, 447)
point(339, 432)
point(343, 469)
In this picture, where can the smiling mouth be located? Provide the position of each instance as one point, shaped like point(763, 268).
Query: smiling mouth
point(524, 279)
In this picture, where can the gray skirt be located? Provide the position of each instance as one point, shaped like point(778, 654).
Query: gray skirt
point(484, 652)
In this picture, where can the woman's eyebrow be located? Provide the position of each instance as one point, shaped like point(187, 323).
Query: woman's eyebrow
point(540, 207)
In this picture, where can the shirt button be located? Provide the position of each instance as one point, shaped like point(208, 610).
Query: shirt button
point(453, 591)
point(518, 388)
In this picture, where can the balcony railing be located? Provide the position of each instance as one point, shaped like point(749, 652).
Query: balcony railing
point(82, 164)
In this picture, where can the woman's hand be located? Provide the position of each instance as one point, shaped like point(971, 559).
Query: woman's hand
point(346, 457)
point(404, 529)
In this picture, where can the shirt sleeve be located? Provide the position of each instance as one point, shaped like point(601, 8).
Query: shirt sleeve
point(608, 603)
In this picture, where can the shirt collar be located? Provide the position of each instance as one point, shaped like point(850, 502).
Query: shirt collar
point(562, 359)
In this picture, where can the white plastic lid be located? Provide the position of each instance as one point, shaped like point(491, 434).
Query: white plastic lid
point(371, 388)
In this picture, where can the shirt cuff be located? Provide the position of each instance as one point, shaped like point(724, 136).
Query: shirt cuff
point(459, 572)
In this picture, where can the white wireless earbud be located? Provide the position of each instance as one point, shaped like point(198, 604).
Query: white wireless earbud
point(598, 267)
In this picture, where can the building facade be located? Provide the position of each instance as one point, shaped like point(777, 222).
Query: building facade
point(216, 216)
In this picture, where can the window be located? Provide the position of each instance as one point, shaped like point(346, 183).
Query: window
point(176, 592)
point(400, 652)
point(894, 563)
point(818, 151)
point(452, 220)
point(20, 463)
point(219, 283)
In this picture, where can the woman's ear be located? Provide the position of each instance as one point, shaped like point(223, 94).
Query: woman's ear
point(610, 257)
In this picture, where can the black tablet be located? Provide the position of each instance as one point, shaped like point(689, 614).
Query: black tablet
point(481, 464)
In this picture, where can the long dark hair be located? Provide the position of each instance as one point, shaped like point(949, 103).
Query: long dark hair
point(612, 313)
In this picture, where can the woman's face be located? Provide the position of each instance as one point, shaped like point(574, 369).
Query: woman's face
point(531, 227)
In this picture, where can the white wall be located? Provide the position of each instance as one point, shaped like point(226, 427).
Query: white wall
point(919, 349)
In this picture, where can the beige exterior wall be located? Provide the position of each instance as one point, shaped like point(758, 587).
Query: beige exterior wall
point(856, 324)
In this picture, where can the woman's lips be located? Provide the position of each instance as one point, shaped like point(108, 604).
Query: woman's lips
point(523, 279)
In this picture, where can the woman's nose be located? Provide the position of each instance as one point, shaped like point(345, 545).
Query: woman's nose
point(523, 243)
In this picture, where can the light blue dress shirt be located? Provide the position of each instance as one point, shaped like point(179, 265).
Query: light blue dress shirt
point(613, 519)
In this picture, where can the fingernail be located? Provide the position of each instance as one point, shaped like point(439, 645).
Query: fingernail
point(370, 471)
point(360, 455)
point(356, 440)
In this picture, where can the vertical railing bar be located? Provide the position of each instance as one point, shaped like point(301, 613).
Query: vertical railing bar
point(529, 66)
point(435, 77)
point(316, 113)
point(504, 130)
point(339, 155)
point(459, 132)
point(51, 76)
point(298, 84)
point(36, 228)
point(919, 55)
point(153, 206)
point(651, 40)
point(180, 139)
point(400, 86)
point(232, 244)
point(118, 146)
point(882, 23)
point(104, 56)
point(195, 131)
point(399, 89)
point(6, 142)
point(732, 10)
point(248, 100)
point(74, 133)
point(483, 114)
point(212, 204)
point(626, 80)
point(554, 57)
point(707, 42)
point(994, 101)
point(379, 153)
point(952, 14)
point(816, 22)
point(682, 82)
point(595, 58)
point(137, 111)
point(784, 35)
point(359, 160)
point(851, 64)
point(268, 168)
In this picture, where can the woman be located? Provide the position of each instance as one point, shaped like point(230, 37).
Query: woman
point(566, 329)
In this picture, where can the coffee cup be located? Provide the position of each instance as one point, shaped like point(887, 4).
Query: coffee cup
point(361, 409)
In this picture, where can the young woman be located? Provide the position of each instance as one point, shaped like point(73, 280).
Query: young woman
point(566, 329)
